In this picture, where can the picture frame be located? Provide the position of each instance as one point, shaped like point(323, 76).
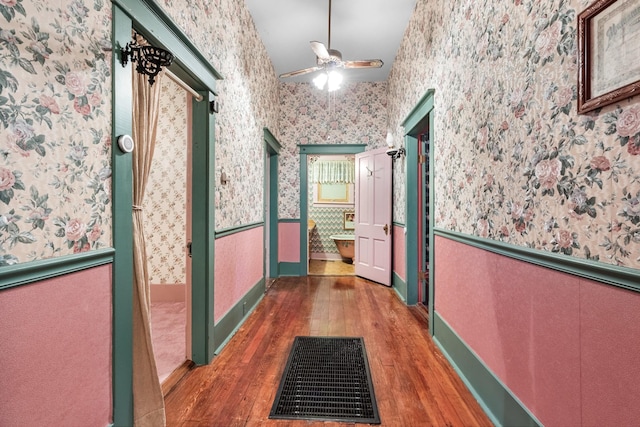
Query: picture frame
point(348, 220)
point(608, 53)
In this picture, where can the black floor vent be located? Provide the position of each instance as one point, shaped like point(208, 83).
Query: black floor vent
point(327, 378)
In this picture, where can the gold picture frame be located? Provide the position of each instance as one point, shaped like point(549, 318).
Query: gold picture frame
point(608, 53)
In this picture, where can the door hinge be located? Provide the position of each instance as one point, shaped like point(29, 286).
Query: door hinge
point(189, 251)
point(422, 158)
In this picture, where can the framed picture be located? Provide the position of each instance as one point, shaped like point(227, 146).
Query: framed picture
point(608, 53)
point(348, 222)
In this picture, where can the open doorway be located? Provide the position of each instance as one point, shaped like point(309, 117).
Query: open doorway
point(167, 207)
point(331, 212)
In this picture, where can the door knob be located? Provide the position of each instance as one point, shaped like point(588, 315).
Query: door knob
point(386, 229)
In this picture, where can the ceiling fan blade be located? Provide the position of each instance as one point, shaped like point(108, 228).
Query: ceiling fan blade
point(299, 72)
point(364, 63)
point(320, 50)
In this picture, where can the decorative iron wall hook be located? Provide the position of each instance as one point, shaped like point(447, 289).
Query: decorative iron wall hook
point(149, 60)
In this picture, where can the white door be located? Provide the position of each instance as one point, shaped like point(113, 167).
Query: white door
point(373, 216)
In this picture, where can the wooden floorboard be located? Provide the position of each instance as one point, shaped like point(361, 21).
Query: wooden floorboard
point(414, 384)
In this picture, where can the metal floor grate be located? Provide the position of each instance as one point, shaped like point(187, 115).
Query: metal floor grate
point(327, 378)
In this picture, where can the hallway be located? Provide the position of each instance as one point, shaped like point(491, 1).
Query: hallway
point(414, 384)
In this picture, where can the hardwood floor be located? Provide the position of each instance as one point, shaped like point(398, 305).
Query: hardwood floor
point(414, 384)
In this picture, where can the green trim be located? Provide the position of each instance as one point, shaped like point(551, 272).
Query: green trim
point(272, 151)
point(400, 286)
point(304, 186)
point(272, 142)
point(36, 271)
point(231, 322)
point(159, 28)
point(419, 112)
point(420, 116)
point(202, 230)
point(502, 407)
point(238, 229)
point(122, 226)
point(332, 148)
point(622, 277)
point(289, 220)
point(289, 269)
point(399, 224)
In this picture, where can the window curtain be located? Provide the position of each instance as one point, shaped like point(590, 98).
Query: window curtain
point(148, 402)
point(333, 172)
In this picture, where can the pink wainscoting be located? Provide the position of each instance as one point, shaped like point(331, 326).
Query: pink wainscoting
point(289, 242)
point(565, 346)
point(238, 267)
point(55, 351)
point(610, 349)
point(399, 252)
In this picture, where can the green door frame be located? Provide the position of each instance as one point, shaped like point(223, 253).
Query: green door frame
point(413, 124)
point(272, 149)
point(305, 150)
point(148, 18)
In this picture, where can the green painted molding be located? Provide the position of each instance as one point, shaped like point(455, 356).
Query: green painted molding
point(332, 148)
point(36, 271)
point(289, 269)
point(272, 141)
point(122, 226)
point(623, 277)
point(399, 224)
point(272, 151)
point(229, 324)
point(159, 28)
point(497, 401)
point(419, 111)
point(399, 286)
point(289, 220)
point(237, 229)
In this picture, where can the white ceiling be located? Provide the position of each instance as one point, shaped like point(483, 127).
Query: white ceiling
point(360, 29)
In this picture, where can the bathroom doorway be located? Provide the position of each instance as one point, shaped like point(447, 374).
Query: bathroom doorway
point(330, 225)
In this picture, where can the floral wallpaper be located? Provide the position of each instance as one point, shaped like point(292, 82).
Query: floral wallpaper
point(355, 114)
point(165, 199)
point(55, 127)
point(514, 161)
point(224, 32)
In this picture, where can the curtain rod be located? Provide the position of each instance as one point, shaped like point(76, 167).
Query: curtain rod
point(183, 85)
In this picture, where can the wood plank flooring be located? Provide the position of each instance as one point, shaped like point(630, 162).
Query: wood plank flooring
point(414, 384)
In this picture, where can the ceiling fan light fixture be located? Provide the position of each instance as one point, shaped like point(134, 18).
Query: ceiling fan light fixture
point(335, 80)
point(320, 80)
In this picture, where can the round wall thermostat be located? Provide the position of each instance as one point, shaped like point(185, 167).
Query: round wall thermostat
point(125, 142)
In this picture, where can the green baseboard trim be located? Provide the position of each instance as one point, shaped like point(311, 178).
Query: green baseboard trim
point(622, 277)
point(36, 271)
point(400, 286)
point(289, 269)
point(289, 220)
point(231, 322)
point(502, 407)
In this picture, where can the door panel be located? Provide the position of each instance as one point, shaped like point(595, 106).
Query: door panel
point(373, 216)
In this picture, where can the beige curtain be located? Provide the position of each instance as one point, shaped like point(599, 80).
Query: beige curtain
point(148, 403)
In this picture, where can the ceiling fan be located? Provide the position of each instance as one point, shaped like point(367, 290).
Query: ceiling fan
point(329, 60)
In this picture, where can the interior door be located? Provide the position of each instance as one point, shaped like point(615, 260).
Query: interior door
point(373, 216)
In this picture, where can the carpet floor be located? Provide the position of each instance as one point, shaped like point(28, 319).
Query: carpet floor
point(168, 333)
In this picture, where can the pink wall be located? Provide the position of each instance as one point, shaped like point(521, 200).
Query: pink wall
point(55, 351)
point(289, 242)
point(399, 256)
point(566, 347)
point(238, 267)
